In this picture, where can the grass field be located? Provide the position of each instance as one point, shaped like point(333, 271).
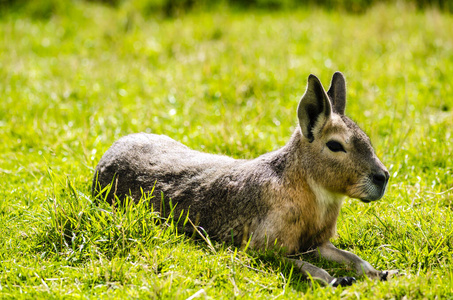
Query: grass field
point(227, 82)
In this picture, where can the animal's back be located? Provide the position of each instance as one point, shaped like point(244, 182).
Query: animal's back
point(141, 160)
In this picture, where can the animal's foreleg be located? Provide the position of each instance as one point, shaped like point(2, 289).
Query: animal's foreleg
point(319, 274)
point(330, 252)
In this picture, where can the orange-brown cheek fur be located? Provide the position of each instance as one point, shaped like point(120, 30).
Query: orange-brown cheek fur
point(336, 177)
point(337, 172)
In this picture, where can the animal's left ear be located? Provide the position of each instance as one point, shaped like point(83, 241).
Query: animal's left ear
point(337, 93)
point(314, 108)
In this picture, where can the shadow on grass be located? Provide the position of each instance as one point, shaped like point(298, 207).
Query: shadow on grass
point(276, 261)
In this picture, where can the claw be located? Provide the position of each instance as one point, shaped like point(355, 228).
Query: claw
point(343, 281)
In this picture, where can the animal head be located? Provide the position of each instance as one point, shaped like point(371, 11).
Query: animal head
point(338, 154)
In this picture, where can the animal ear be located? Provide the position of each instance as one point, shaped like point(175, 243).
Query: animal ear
point(337, 93)
point(314, 108)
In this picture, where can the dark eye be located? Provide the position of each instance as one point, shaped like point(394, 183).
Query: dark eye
point(335, 146)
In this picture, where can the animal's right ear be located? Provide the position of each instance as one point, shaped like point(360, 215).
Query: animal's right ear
point(337, 93)
point(314, 108)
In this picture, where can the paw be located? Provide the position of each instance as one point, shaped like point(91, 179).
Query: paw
point(342, 281)
point(385, 275)
point(381, 275)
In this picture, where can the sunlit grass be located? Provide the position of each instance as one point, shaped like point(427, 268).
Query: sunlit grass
point(223, 82)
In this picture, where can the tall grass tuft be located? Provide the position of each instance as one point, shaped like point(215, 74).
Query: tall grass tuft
point(80, 227)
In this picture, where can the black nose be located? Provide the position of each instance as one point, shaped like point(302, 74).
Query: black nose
point(381, 178)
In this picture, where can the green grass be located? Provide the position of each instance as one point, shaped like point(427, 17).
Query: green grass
point(224, 82)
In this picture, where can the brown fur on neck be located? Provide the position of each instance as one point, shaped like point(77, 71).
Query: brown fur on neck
point(303, 213)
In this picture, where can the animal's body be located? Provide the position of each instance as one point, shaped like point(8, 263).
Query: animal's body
point(289, 198)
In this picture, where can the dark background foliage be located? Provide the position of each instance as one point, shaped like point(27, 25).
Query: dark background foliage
point(171, 8)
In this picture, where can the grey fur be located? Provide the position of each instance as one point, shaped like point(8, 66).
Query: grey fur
point(289, 198)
